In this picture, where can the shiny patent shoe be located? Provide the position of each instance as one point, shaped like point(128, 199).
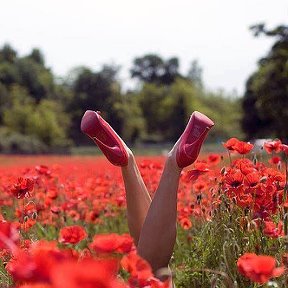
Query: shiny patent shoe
point(192, 139)
point(94, 126)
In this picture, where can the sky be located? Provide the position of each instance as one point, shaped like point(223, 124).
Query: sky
point(73, 33)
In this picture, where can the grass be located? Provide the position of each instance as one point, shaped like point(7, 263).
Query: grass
point(145, 150)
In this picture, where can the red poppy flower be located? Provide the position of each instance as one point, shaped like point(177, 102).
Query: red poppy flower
point(245, 165)
point(234, 178)
point(229, 144)
point(21, 266)
point(275, 160)
point(185, 223)
point(260, 268)
point(272, 146)
point(86, 274)
point(243, 147)
point(284, 148)
point(139, 269)
point(108, 243)
point(214, 159)
point(9, 236)
point(43, 170)
point(22, 188)
point(252, 179)
point(35, 264)
point(200, 169)
point(233, 144)
point(272, 230)
point(72, 234)
point(200, 185)
point(35, 285)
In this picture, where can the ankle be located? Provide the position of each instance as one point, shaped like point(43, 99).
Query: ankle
point(171, 161)
point(131, 157)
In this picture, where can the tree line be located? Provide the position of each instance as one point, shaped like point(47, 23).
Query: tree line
point(265, 102)
point(41, 113)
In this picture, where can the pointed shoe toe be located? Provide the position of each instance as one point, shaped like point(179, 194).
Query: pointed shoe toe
point(192, 139)
point(89, 123)
point(94, 126)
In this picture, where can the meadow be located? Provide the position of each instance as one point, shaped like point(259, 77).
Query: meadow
point(63, 218)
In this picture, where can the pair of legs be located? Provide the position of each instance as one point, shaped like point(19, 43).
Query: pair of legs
point(152, 223)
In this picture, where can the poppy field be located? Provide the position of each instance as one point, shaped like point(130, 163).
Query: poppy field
point(63, 221)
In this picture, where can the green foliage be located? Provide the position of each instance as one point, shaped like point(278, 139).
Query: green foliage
point(226, 112)
point(49, 124)
point(37, 79)
point(123, 110)
point(33, 103)
point(214, 246)
point(167, 110)
point(8, 74)
point(152, 68)
point(7, 54)
point(94, 91)
point(195, 73)
point(266, 90)
point(21, 106)
point(45, 121)
point(14, 142)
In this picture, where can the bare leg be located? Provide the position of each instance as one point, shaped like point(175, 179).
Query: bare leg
point(137, 197)
point(158, 233)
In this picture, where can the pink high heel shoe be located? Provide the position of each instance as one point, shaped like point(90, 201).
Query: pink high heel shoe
point(94, 126)
point(192, 139)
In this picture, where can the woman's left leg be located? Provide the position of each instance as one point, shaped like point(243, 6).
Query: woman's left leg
point(137, 197)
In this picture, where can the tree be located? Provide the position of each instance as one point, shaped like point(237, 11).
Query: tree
point(167, 109)
point(4, 101)
point(152, 68)
point(266, 89)
point(8, 73)
point(38, 80)
point(8, 54)
point(8, 70)
point(45, 121)
point(195, 73)
point(31, 104)
point(37, 56)
point(94, 91)
point(253, 123)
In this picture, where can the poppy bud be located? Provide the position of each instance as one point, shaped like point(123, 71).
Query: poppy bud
point(255, 160)
point(263, 179)
point(279, 165)
point(34, 215)
point(223, 170)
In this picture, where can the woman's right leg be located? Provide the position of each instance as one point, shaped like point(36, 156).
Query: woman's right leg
point(158, 233)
